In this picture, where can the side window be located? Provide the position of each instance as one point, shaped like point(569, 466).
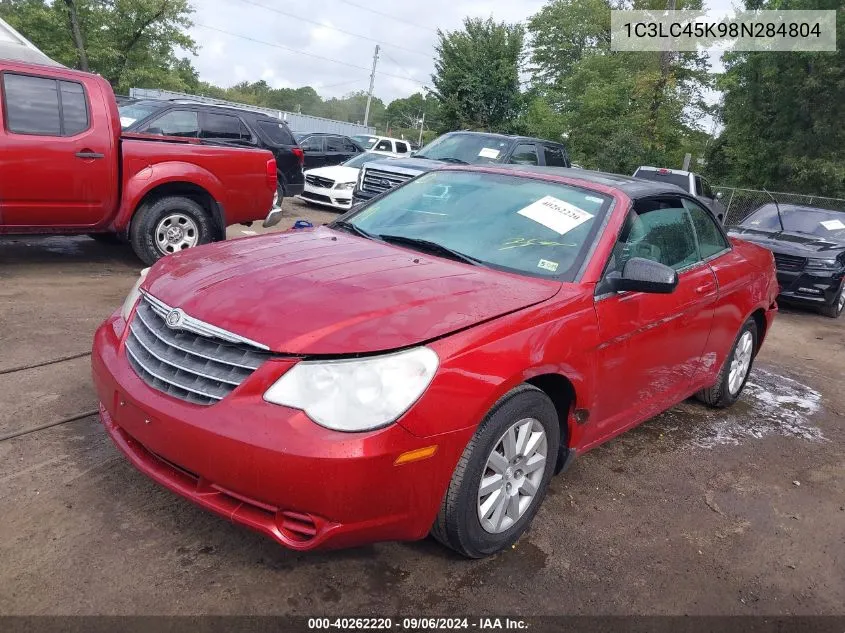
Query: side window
point(44, 106)
point(706, 189)
point(658, 229)
point(710, 238)
point(224, 126)
point(74, 108)
point(402, 148)
point(312, 144)
point(525, 155)
point(334, 144)
point(349, 146)
point(175, 123)
point(554, 156)
point(698, 189)
point(384, 146)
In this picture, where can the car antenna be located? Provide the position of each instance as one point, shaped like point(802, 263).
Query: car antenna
point(777, 208)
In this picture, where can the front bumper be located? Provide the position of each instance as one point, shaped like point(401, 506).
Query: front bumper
point(809, 288)
point(268, 467)
point(328, 197)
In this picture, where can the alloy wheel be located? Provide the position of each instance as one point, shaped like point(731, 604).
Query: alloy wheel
point(512, 475)
point(741, 362)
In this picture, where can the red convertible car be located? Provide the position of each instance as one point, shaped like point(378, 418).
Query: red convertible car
point(427, 362)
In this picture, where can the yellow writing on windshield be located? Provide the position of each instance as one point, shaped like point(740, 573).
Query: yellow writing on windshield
point(519, 242)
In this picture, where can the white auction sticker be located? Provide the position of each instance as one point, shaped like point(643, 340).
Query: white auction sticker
point(833, 225)
point(487, 152)
point(547, 265)
point(558, 215)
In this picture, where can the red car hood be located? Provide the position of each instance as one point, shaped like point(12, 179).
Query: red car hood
point(326, 292)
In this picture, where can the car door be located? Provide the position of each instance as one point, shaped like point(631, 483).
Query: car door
point(224, 127)
point(524, 154)
point(59, 168)
point(554, 156)
point(335, 150)
point(651, 345)
point(384, 145)
point(350, 149)
point(312, 147)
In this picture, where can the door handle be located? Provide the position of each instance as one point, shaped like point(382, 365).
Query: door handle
point(703, 289)
point(87, 153)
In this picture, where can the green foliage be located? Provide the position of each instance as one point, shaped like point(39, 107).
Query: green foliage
point(783, 116)
point(406, 113)
point(129, 42)
point(476, 75)
point(620, 110)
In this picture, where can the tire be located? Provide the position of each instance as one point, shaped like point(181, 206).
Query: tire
point(720, 395)
point(145, 233)
point(835, 309)
point(107, 238)
point(458, 524)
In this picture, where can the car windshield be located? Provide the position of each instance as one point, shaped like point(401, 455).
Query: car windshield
point(657, 175)
point(361, 159)
point(806, 220)
point(365, 140)
point(473, 149)
point(529, 226)
point(132, 112)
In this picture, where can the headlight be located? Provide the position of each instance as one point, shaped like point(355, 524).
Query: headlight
point(344, 186)
point(133, 296)
point(360, 183)
point(358, 394)
point(822, 264)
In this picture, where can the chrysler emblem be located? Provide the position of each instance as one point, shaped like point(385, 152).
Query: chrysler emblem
point(174, 318)
point(385, 183)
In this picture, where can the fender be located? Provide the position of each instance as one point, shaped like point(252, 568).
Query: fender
point(148, 178)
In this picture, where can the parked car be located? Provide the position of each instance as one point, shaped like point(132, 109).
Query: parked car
point(324, 150)
point(467, 148)
point(65, 168)
point(332, 186)
point(384, 144)
point(688, 181)
point(809, 249)
point(222, 124)
point(428, 361)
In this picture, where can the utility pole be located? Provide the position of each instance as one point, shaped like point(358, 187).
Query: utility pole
point(372, 81)
point(422, 125)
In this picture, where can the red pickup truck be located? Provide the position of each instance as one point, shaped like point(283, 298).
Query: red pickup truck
point(66, 168)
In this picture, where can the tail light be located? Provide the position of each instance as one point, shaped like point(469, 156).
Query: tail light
point(300, 155)
point(271, 174)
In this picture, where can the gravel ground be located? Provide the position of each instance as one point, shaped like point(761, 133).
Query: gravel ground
point(694, 512)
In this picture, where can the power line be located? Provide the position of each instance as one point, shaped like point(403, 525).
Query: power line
point(343, 83)
point(400, 67)
point(299, 52)
point(387, 15)
point(333, 28)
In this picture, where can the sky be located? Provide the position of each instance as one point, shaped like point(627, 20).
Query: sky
point(328, 44)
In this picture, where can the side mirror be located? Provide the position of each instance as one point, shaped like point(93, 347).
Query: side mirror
point(644, 275)
point(718, 195)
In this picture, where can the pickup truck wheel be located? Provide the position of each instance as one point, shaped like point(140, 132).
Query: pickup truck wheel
point(502, 476)
point(838, 306)
point(169, 225)
point(734, 373)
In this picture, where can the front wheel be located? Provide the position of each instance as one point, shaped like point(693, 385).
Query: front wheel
point(836, 308)
point(169, 225)
point(502, 476)
point(735, 371)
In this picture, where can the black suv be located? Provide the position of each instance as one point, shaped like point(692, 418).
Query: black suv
point(463, 148)
point(223, 124)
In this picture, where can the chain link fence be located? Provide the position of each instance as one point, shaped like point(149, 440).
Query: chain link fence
point(740, 203)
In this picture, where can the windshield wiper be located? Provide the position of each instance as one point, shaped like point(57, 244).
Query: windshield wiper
point(351, 228)
point(449, 159)
point(431, 247)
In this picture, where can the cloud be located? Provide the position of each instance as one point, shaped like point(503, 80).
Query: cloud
point(407, 42)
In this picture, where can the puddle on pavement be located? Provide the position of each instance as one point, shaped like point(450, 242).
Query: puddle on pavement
point(771, 404)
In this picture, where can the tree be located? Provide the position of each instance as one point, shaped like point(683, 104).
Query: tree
point(407, 113)
point(476, 75)
point(129, 42)
point(783, 116)
point(619, 110)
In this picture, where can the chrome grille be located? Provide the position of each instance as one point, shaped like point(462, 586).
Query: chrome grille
point(377, 181)
point(198, 368)
point(789, 262)
point(319, 181)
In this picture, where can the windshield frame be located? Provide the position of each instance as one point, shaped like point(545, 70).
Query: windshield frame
point(771, 210)
point(580, 263)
